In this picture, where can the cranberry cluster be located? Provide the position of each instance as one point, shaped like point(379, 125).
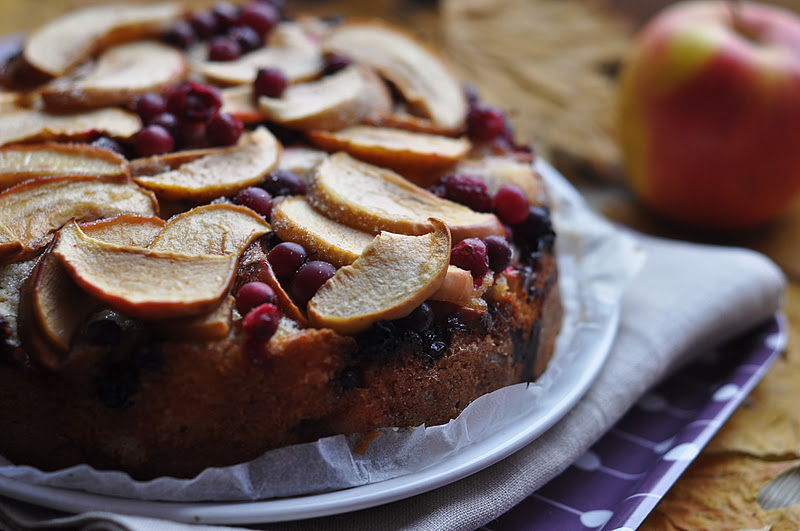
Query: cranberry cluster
point(186, 116)
point(256, 301)
point(488, 124)
point(230, 30)
point(304, 277)
point(277, 183)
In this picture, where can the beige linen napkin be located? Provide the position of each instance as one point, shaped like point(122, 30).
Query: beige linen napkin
point(685, 299)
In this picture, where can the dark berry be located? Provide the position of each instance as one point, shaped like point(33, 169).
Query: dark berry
point(166, 120)
point(153, 140)
point(485, 123)
point(247, 37)
point(466, 189)
point(270, 82)
point(308, 279)
point(224, 48)
point(226, 14)
point(181, 35)
point(256, 199)
point(261, 17)
point(499, 252)
point(194, 102)
point(470, 254)
point(204, 23)
point(286, 258)
point(149, 105)
point(223, 129)
point(419, 320)
point(335, 62)
point(511, 204)
point(284, 182)
point(110, 144)
point(536, 233)
point(253, 294)
point(262, 321)
point(190, 134)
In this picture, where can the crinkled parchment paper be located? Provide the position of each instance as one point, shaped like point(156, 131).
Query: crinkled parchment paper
point(596, 262)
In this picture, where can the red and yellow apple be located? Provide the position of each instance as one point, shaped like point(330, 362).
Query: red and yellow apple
point(710, 113)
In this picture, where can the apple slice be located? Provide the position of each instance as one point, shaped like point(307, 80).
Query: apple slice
point(22, 162)
point(400, 118)
point(34, 125)
point(9, 244)
point(497, 171)
point(240, 102)
point(419, 74)
point(294, 220)
point(143, 283)
point(218, 229)
point(393, 275)
point(119, 74)
point(403, 151)
point(209, 327)
point(222, 173)
point(125, 229)
point(33, 210)
point(300, 160)
point(72, 38)
point(371, 198)
point(456, 288)
point(290, 50)
point(170, 161)
point(330, 103)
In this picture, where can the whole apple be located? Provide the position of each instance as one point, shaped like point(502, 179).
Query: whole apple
point(710, 113)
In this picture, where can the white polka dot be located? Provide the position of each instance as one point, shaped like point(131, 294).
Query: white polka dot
point(663, 446)
point(683, 452)
point(595, 518)
point(652, 402)
point(725, 393)
point(776, 341)
point(588, 461)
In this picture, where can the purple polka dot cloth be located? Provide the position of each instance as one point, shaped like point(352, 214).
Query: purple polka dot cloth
point(617, 482)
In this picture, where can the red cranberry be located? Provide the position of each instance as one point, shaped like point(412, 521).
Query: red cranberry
point(536, 233)
point(194, 102)
point(286, 258)
point(499, 252)
point(226, 15)
point(485, 123)
point(335, 62)
point(204, 23)
point(253, 294)
point(247, 37)
point(470, 254)
point(181, 35)
point(149, 105)
point(511, 204)
point(166, 120)
point(256, 199)
point(270, 82)
point(308, 279)
point(153, 140)
point(223, 48)
point(284, 182)
point(223, 129)
point(468, 190)
point(261, 17)
point(262, 321)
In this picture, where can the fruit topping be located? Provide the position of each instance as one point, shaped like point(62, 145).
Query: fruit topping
point(419, 75)
point(485, 123)
point(226, 14)
point(499, 252)
point(393, 276)
point(194, 102)
point(286, 258)
point(284, 183)
point(247, 38)
point(471, 254)
point(181, 35)
point(223, 129)
point(457, 286)
point(308, 279)
point(153, 140)
point(465, 189)
point(206, 327)
point(511, 204)
point(253, 294)
point(497, 171)
point(223, 172)
point(330, 103)
point(149, 105)
point(262, 321)
point(204, 23)
point(143, 283)
point(125, 229)
point(35, 125)
point(270, 82)
point(260, 16)
point(536, 232)
point(256, 199)
point(335, 62)
point(371, 199)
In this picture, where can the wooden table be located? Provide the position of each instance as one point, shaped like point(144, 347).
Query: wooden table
point(551, 63)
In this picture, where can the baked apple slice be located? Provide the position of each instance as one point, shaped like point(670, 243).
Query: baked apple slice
point(125, 229)
point(70, 39)
point(170, 161)
point(371, 198)
point(215, 325)
point(294, 220)
point(222, 173)
point(218, 229)
point(420, 75)
point(456, 288)
point(35, 125)
point(22, 162)
point(290, 50)
point(120, 73)
point(393, 275)
point(330, 103)
point(143, 283)
point(300, 160)
point(9, 244)
point(33, 210)
point(240, 102)
point(497, 171)
point(403, 151)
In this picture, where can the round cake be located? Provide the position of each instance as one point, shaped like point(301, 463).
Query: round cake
point(229, 230)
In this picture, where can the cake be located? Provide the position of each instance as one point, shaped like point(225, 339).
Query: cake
point(227, 231)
